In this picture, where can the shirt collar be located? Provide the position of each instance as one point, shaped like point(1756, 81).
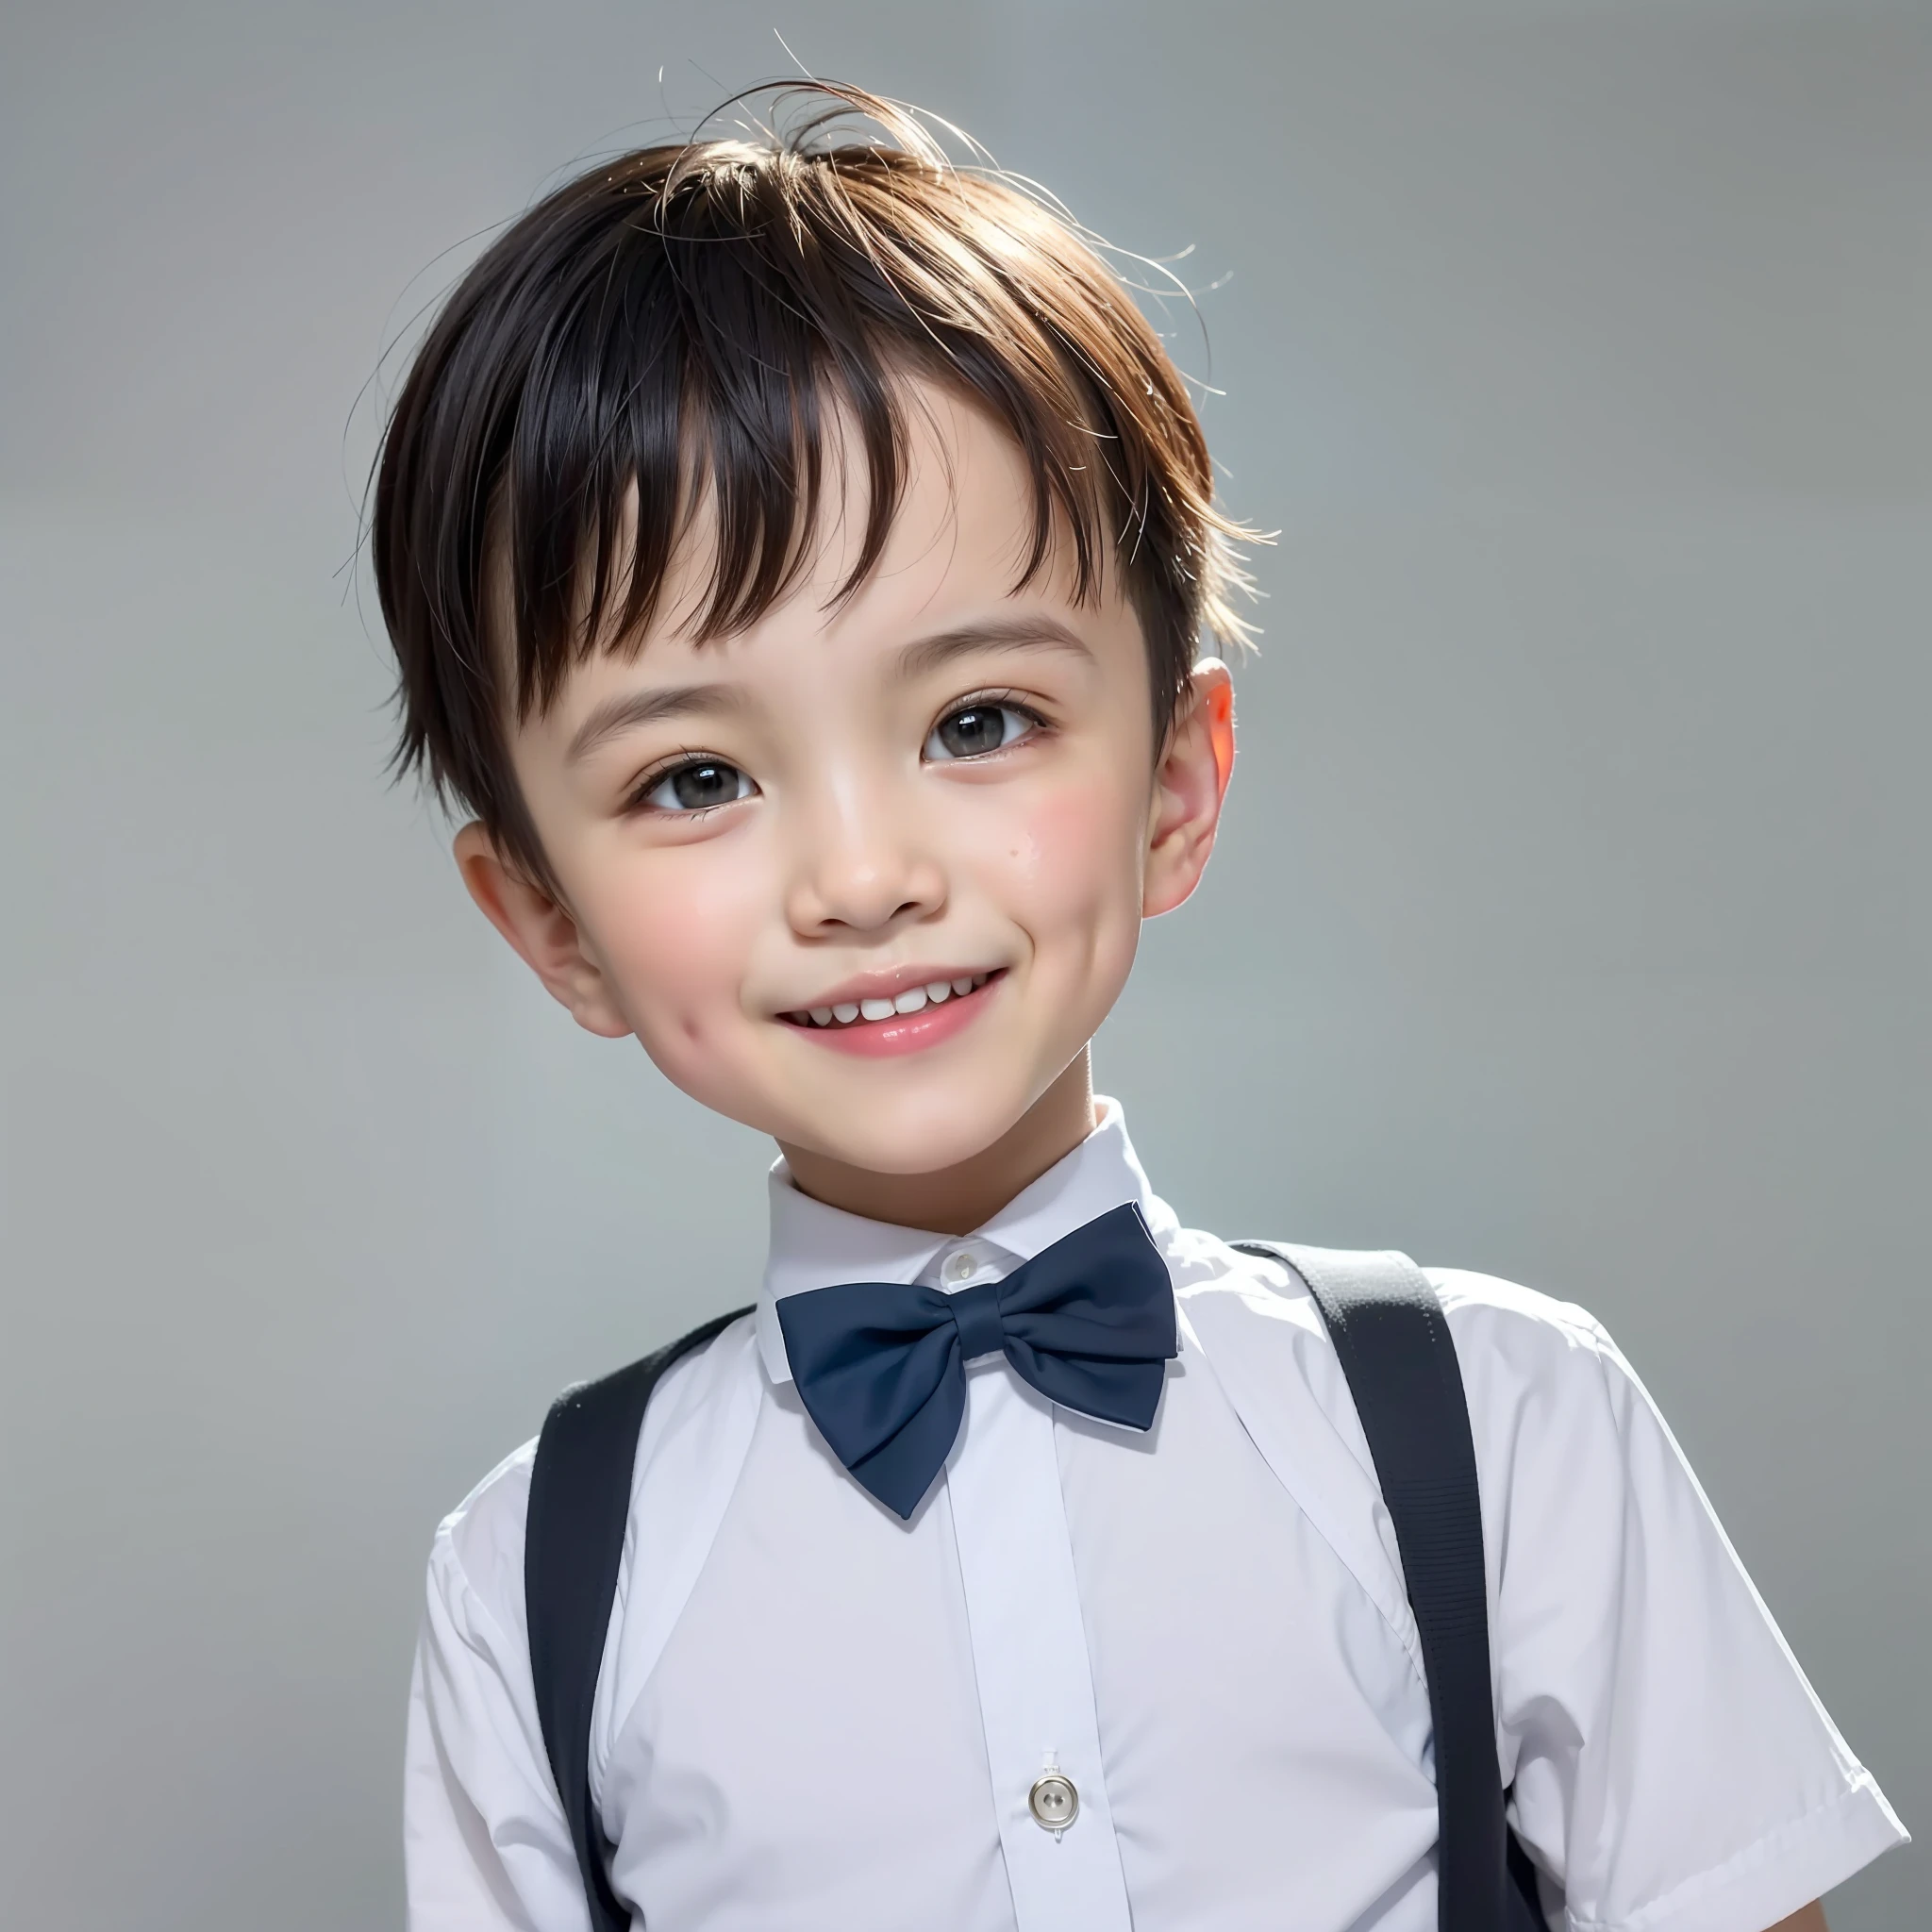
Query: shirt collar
point(813, 1245)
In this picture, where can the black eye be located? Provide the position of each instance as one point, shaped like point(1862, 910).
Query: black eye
point(698, 785)
point(974, 729)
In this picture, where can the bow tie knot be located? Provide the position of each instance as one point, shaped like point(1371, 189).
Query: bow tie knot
point(881, 1366)
point(976, 1314)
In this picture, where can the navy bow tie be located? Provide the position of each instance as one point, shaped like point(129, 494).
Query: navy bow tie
point(882, 1365)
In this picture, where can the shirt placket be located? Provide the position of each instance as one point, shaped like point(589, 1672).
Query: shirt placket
point(1030, 1660)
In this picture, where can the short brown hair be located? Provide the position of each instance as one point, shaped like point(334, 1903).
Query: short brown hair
point(683, 321)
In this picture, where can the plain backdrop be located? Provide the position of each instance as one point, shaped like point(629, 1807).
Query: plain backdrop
point(1571, 922)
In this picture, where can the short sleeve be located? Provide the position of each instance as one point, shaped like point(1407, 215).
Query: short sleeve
point(486, 1848)
point(1672, 1766)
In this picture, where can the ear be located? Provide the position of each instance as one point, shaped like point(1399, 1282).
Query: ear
point(1189, 786)
point(544, 934)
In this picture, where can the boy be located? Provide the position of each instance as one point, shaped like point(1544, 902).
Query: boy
point(796, 556)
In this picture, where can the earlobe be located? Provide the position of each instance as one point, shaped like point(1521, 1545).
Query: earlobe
point(1189, 789)
point(542, 934)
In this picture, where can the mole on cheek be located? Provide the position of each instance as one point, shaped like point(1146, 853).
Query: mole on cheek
point(1064, 828)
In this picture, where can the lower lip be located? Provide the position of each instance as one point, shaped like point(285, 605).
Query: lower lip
point(935, 1022)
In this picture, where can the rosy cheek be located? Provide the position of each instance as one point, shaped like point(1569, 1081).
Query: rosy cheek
point(1067, 847)
point(677, 946)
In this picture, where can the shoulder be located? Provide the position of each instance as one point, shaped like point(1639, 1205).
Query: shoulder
point(1519, 1348)
point(477, 1559)
point(1549, 1390)
point(1488, 1316)
point(1514, 1344)
point(1546, 1387)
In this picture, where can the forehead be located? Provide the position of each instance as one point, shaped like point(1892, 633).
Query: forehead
point(956, 549)
point(964, 506)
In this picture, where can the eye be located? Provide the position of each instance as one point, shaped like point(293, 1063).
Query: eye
point(973, 730)
point(697, 785)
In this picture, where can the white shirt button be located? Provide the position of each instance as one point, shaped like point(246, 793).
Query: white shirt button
point(1053, 1801)
point(960, 1265)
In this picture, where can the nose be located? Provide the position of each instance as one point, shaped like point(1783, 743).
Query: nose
point(860, 866)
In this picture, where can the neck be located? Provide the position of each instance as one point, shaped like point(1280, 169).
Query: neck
point(955, 1200)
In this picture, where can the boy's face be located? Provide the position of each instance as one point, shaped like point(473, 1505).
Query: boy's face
point(941, 794)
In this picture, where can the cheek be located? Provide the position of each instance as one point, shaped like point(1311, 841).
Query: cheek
point(673, 939)
point(1072, 856)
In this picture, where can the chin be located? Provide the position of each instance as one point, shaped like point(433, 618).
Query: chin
point(915, 1140)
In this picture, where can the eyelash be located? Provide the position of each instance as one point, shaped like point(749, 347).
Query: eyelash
point(684, 761)
point(1036, 722)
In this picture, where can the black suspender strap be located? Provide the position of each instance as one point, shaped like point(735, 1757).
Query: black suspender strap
point(572, 1544)
point(1399, 1359)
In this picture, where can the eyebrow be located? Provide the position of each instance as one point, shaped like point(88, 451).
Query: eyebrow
point(626, 713)
point(1038, 633)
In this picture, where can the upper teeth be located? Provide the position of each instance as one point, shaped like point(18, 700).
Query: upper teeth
point(910, 1001)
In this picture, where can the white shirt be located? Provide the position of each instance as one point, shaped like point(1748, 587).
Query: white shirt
point(815, 1715)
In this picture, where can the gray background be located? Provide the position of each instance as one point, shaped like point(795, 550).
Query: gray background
point(1570, 922)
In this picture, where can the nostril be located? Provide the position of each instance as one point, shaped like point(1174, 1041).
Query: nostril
point(839, 889)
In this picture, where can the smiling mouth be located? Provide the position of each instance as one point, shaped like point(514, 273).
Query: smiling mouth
point(915, 999)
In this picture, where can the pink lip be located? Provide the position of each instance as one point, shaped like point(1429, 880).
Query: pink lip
point(904, 1032)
